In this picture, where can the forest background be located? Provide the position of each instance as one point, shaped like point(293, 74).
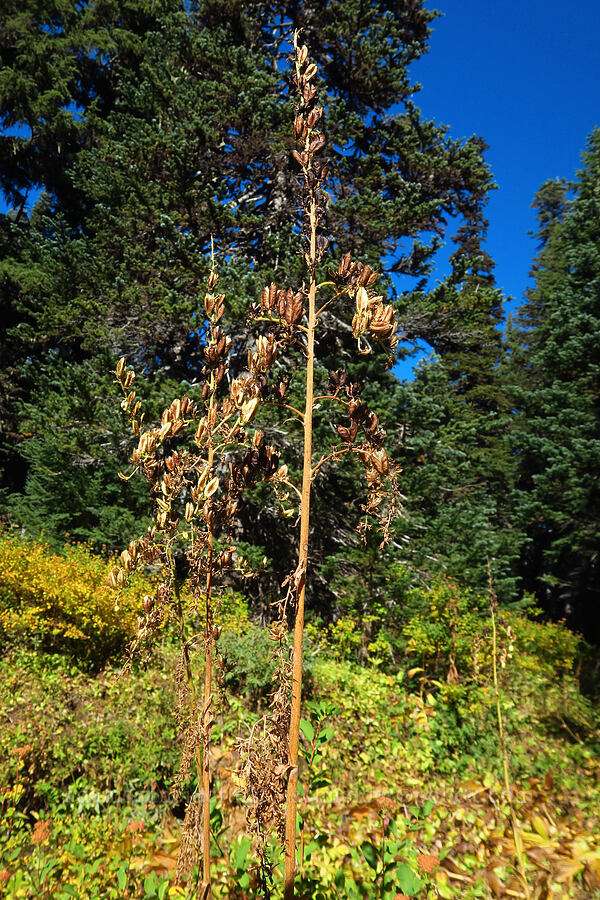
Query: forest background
point(144, 153)
point(153, 129)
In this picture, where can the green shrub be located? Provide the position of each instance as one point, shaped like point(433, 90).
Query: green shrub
point(63, 603)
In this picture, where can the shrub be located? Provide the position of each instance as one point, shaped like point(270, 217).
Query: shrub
point(63, 602)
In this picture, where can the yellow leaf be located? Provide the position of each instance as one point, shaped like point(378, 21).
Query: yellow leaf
point(412, 672)
point(540, 826)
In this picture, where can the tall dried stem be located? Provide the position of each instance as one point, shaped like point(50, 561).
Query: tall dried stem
point(307, 472)
point(198, 463)
point(371, 314)
point(493, 602)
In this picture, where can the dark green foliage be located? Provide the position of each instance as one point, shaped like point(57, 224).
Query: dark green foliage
point(455, 476)
point(248, 664)
point(156, 128)
point(555, 369)
point(76, 446)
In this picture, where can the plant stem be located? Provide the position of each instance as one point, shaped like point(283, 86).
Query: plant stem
point(207, 712)
point(504, 750)
point(292, 786)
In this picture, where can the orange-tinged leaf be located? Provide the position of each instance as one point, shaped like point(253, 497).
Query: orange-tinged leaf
point(162, 861)
point(427, 862)
point(412, 672)
point(566, 871)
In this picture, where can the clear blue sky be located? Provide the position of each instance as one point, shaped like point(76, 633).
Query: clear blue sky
point(526, 77)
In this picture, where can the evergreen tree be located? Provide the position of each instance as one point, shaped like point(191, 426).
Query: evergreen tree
point(555, 369)
point(455, 475)
point(179, 133)
point(457, 419)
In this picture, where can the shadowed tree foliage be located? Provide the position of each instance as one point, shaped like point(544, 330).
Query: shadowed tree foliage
point(167, 126)
point(555, 370)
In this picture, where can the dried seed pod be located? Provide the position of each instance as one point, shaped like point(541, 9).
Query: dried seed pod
point(314, 116)
point(300, 129)
point(201, 431)
point(380, 461)
point(317, 143)
point(365, 275)
point(219, 307)
point(211, 487)
point(309, 92)
point(294, 309)
point(362, 300)
point(248, 410)
point(345, 263)
point(120, 367)
point(281, 303)
point(116, 578)
point(381, 324)
point(300, 158)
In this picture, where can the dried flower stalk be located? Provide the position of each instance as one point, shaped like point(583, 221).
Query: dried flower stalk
point(270, 770)
point(198, 462)
point(197, 484)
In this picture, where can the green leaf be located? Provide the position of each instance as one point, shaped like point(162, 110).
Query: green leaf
point(150, 885)
point(370, 853)
point(428, 806)
point(408, 882)
point(340, 880)
point(310, 848)
point(122, 876)
point(307, 730)
point(319, 782)
point(241, 853)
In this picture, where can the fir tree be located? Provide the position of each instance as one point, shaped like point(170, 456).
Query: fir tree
point(555, 368)
point(178, 133)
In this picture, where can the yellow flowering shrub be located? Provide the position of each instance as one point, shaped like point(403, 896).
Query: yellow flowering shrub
point(63, 602)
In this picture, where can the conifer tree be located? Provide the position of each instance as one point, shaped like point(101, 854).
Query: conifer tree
point(555, 370)
point(178, 132)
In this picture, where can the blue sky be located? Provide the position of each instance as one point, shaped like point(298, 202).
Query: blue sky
point(526, 77)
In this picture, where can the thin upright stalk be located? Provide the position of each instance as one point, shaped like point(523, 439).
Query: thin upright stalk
point(292, 786)
point(207, 725)
point(504, 750)
point(189, 676)
point(207, 712)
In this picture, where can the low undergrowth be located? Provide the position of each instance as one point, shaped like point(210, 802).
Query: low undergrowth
point(406, 800)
